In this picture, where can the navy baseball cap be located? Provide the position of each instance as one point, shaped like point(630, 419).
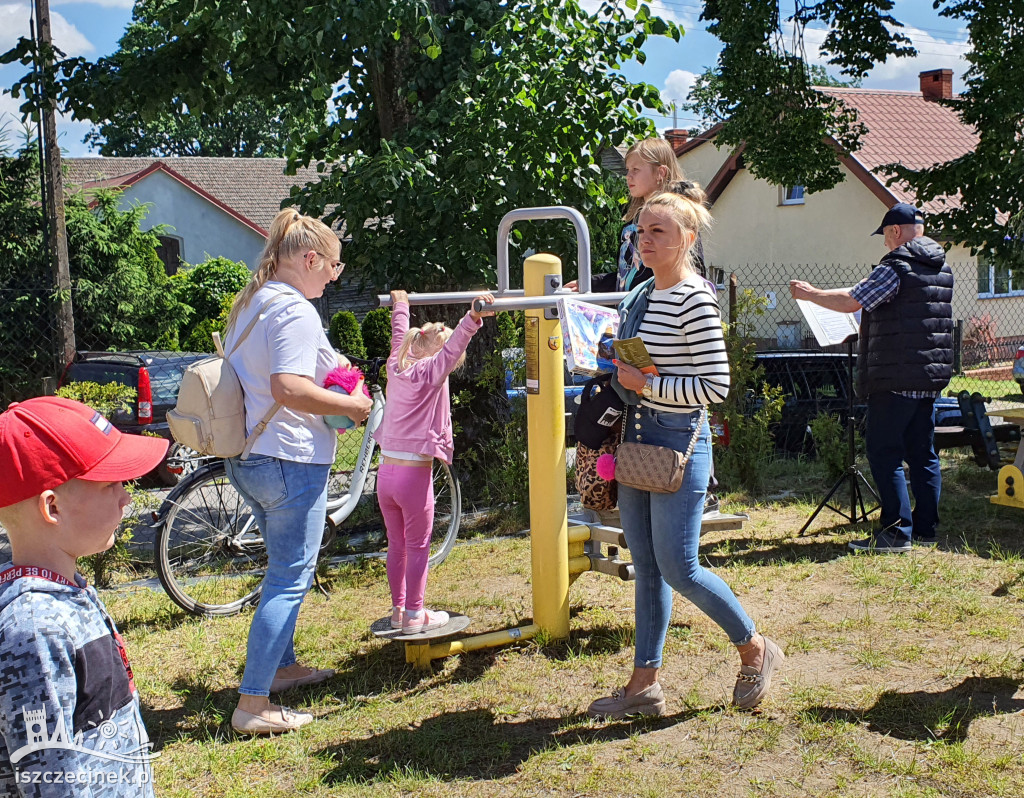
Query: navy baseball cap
point(900, 213)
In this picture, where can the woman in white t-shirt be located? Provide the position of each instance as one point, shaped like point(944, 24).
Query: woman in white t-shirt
point(284, 360)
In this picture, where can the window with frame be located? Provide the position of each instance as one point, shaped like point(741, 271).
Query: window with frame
point(169, 252)
point(997, 278)
point(791, 195)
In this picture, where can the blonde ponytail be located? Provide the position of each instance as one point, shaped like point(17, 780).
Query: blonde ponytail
point(421, 342)
point(290, 232)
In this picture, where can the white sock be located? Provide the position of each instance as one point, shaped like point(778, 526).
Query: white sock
point(413, 613)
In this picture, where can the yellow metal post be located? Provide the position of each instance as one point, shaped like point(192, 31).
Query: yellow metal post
point(545, 413)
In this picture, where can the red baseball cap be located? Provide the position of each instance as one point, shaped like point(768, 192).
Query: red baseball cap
point(47, 441)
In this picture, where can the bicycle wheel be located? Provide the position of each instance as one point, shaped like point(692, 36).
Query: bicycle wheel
point(363, 531)
point(210, 554)
point(447, 512)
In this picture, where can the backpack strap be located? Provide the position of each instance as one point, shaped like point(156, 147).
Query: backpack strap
point(247, 330)
point(250, 440)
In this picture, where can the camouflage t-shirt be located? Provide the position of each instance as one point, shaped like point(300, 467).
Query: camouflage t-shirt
point(69, 711)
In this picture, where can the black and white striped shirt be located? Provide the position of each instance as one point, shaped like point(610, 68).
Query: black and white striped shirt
point(682, 330)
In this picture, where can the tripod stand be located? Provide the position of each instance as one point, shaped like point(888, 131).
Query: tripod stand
point(852, 473)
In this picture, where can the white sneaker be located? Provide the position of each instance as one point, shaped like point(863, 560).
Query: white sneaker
point(425, 621)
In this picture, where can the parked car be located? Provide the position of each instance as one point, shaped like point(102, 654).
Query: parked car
point(812, 383)
point(156, 378)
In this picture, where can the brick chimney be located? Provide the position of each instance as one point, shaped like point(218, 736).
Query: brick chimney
point(676, 137)
point(937, 84)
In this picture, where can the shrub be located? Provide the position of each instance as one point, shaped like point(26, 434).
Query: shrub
point(200, 338)
point(503, 463)
point(106, 398)
point(345, 335)
point(751, 407)
point(829, 444)
point(204, 288)
point(377, 333)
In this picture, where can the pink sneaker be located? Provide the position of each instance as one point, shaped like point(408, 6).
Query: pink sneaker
point(426, 620)
point(397, 616)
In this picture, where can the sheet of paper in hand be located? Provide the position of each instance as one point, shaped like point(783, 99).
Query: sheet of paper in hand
point(587, 335)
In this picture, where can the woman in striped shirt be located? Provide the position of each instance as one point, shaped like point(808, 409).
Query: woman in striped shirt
point(682, 329)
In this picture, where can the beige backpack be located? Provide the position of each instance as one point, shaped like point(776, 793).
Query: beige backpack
point(210, 414)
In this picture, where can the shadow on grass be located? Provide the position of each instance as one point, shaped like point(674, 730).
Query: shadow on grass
point(204, 715)
point(925, 716)
point(474, 744)
point(816, 547)
point(161, 621)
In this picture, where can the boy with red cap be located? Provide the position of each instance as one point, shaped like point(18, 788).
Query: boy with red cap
point(69, 710)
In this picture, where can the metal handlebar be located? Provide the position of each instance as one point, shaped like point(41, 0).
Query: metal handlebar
point(445, 297)
point(548, 212)
point(549, 301)
point(504, 294)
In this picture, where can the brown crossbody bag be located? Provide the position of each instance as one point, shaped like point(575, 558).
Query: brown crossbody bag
point(657, 469)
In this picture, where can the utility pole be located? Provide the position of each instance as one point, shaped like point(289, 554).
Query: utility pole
point(57, 237)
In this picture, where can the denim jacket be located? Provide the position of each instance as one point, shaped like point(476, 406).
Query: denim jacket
point(631, 314)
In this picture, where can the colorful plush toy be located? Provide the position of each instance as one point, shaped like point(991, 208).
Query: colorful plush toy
point(343, 379)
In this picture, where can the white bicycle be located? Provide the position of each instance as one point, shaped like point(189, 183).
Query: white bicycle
point(210, 554)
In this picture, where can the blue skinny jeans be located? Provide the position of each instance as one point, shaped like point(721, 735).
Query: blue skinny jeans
point(663, 534)
point(289, 502)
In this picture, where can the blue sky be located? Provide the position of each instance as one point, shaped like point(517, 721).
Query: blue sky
point(91, 28)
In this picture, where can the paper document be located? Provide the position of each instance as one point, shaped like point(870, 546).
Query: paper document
point(829, 326)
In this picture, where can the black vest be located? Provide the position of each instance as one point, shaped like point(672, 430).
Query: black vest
point(906, 344)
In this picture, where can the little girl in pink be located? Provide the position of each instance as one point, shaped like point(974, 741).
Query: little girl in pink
point(417, 427)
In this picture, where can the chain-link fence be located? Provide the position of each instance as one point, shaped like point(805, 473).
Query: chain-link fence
point(989, 321)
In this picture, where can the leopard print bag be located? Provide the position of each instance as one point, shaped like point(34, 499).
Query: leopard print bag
point(596, 493)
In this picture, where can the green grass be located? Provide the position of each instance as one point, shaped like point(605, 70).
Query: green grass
point(903, 675)
point(1007, 390)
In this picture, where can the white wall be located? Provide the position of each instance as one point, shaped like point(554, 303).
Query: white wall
point(204, 228)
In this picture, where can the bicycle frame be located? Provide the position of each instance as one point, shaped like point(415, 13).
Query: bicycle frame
point(341, 508)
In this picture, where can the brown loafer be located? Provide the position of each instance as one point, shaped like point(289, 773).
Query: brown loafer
point(649, 701)
point(752, 685)
point(317, 676)
point(278, 720)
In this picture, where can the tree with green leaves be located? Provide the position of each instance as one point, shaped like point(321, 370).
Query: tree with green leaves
point(988, 210)
point(707, 88)
point(122, 295)
point(236, 125)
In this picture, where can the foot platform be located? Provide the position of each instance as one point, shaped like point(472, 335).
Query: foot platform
point(457, 622)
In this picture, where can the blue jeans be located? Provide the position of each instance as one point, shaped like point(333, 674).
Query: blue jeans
point(663, 534)
point(902, 429)
point(289, 503)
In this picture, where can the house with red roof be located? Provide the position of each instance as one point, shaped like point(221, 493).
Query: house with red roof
point(768, 234)
point(208, 207)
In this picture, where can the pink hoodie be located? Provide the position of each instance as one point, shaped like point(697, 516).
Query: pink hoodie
point(418, 413)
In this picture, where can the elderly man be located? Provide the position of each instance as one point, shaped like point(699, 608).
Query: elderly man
point(904, 361)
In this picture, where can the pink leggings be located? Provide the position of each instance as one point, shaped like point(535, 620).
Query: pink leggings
point(406, 498)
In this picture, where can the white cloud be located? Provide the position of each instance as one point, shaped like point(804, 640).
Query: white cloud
point(677, 86)
point(14, 24)
point(901, 73)
point(933, 53)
